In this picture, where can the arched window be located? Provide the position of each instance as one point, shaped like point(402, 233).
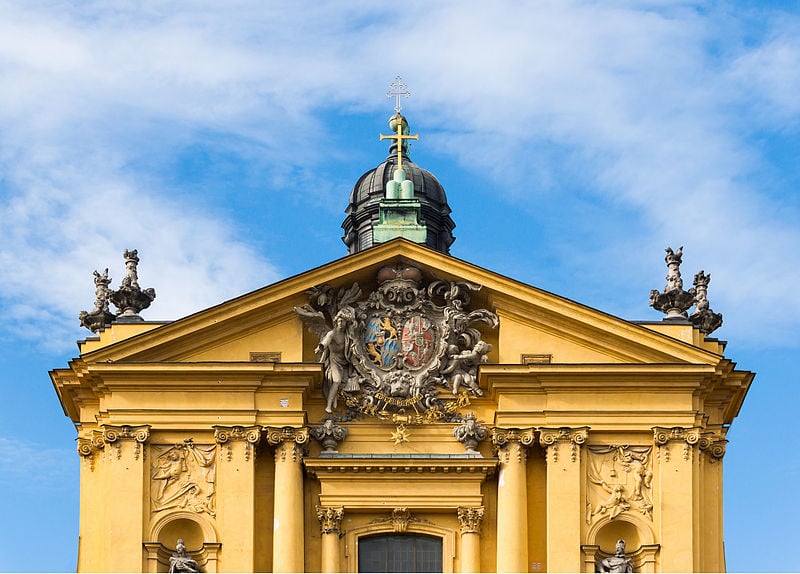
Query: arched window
point(399, 553)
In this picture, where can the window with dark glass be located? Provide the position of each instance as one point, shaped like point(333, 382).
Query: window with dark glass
point(399, 553)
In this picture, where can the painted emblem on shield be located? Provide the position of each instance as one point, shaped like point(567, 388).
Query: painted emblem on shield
point(381, 341)
point(417, 341)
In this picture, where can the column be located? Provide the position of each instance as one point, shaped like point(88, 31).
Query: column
point(288, 552)
point(512, 498)
point(124, 499)
point(677, 460)
point(330, 525)
point(470, 519)
point(565, 501)
point(236, 493)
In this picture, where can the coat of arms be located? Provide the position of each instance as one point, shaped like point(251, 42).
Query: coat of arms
point(406, 350)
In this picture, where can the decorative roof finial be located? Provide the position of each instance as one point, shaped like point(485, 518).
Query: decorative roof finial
point(673, 301)
point(100, 316)
point(703, 317)
point(398, 123)
point(396, 90)
point(130, 299)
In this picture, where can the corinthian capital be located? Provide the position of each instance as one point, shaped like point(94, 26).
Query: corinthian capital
point(470, 518)
point(330, 519)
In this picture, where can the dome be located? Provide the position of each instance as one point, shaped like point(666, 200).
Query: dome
point(363, 210)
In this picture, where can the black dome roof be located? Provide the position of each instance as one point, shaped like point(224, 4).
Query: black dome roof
point(370, 189)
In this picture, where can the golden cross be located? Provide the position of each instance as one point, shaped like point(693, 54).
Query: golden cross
point(399, 136)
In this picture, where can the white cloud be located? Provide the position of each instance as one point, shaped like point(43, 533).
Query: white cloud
point(35, 466)
point(646, 105)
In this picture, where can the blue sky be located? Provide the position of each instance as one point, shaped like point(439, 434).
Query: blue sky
point(576, 140)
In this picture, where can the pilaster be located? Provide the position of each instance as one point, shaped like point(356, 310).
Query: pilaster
point(236, 456)
point(563, 448)
point(92, 547)
point(677, 456)
point(512, 498)
point(470, 519)
point(712, 447)
point(288, 535)
point(330, 525)
point(124, 501)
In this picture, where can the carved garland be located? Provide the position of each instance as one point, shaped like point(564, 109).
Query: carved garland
point(503, 439)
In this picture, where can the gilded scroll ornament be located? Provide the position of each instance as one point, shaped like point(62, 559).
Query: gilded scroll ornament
point(184, 476)
point(394, 352)
point(619, 479)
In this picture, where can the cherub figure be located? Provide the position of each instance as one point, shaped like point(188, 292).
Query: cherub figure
point(462, 366)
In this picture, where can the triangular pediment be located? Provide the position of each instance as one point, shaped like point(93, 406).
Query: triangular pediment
point(534, 324)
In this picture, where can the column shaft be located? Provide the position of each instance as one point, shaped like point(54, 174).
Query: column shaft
point(512, 510)
point(288, 535)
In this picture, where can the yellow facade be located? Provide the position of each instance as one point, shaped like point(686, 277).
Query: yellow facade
point(600, 429)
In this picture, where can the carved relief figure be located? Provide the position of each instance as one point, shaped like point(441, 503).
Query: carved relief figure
point(619, 479)
point(334, 352)
point(180, 560)
point(617, 563)
point(183, 476)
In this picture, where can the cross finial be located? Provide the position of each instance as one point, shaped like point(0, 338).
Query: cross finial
point(396, 90)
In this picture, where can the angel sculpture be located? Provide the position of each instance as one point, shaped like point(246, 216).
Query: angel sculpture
point(335, 350)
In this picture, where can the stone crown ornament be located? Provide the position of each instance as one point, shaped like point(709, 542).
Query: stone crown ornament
point(674, 301)
point(393, 354)
point(129, 299)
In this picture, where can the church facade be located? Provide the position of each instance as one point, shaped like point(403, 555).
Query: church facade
point(401, 410)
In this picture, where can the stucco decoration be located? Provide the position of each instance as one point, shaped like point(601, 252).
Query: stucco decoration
point(470, 433)
point(619, 479)
point(183, 476)
point(408, 352)
point(329, 434)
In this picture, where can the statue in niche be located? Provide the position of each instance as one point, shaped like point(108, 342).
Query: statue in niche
point(617, 563)
point(183, 476)
point(180, 560)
